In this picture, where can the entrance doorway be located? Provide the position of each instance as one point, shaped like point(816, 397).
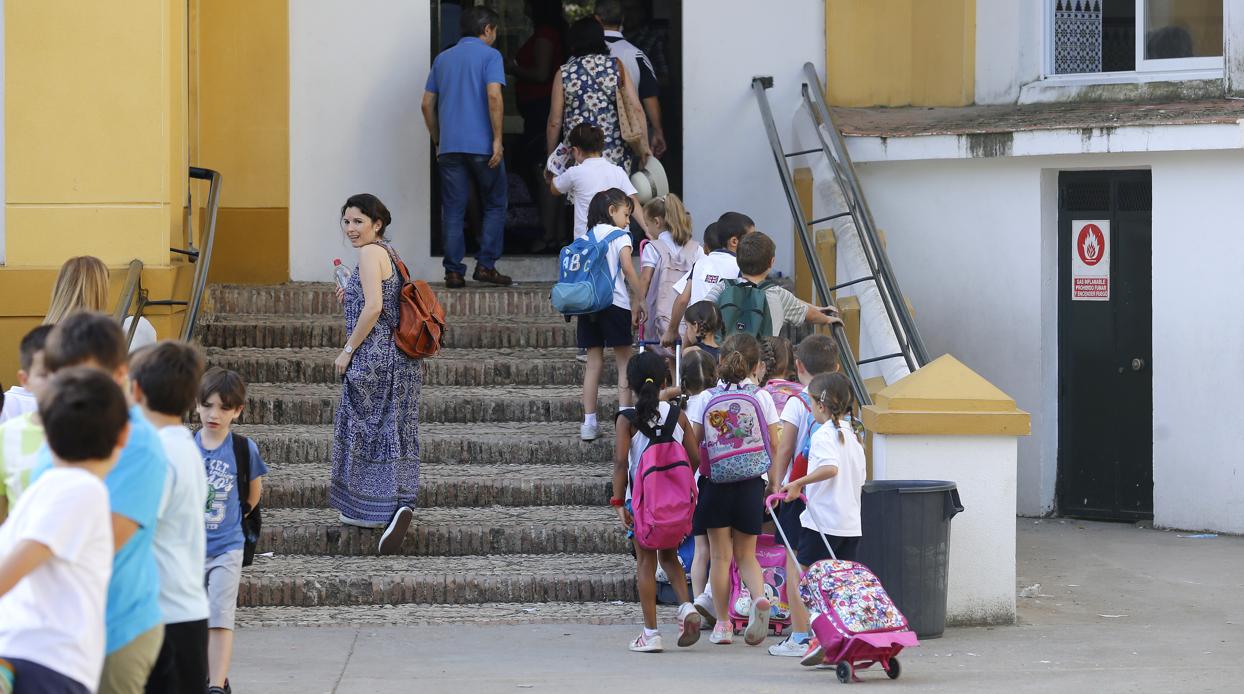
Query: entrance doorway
point(1105, 339)
point(531, 212)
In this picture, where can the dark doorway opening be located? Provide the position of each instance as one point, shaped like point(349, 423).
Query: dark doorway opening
point(524, 141)
point(1105, 340)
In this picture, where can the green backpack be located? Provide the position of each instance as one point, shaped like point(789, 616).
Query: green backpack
point(745, 309)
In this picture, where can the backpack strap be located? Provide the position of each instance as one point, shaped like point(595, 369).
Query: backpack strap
point(663, 431)
point(242, 455)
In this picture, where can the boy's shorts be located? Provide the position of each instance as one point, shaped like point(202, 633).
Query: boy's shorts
point(696, 528)
point(29, 676)
point(812, 549)
point(222, 576)
point(738, 505)
point(788, 518)
point(608, 328)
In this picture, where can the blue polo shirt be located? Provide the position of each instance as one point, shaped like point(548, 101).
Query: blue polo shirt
point(135, 487)
point(459, 78)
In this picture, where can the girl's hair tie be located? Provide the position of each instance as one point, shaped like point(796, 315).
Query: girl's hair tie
point(649, 380)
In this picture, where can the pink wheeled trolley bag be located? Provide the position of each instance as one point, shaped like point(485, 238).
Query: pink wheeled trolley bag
point(853, 619)
point(773, 570)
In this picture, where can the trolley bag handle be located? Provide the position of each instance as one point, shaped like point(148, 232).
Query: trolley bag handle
point(641, 344)
point(771, 503)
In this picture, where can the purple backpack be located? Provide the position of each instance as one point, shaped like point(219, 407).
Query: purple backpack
point(663, 490)
point(736, 436)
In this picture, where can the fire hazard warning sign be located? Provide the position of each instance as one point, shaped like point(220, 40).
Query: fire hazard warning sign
point(1090, 260)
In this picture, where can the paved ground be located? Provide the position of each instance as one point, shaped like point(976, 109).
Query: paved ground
point(1119, 609)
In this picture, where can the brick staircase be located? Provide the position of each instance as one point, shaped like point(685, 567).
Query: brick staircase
point(512, 523)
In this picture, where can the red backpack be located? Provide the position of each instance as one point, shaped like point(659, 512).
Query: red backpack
point(421, 322)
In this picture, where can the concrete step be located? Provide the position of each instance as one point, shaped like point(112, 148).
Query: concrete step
point(455, 367)
point(453, 532)
point(458, 485)
point(554, 406)
point(518, 443)
point(310, 581)
point(577, 613)
point(461, 332)
point(318, 298)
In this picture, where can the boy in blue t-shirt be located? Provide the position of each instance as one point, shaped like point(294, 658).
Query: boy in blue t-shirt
point(133, 622)
point(222, 393)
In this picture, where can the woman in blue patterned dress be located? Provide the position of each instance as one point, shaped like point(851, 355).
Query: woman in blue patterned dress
point(585, 90)
point(376, 428)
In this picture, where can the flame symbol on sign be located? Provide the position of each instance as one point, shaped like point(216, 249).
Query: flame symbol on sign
point(1091, 247)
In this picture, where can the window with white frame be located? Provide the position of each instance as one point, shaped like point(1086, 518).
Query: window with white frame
point(1140, 36)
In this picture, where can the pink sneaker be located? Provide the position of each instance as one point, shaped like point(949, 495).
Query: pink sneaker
point(723, 634)
point(815, 654)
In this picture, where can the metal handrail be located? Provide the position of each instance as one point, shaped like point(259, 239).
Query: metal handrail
point(846, 355)
point(131, 291)
point(835, 150)
point(203, 259)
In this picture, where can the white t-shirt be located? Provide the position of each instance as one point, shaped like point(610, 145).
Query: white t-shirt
point(621, 298)
point(836, 501)
point(784, 307)
point(797, 414)
point(640, 442)
point(583, 181)
point(707, 275)
point(697, 403)
point(180, 539)
point(55, 615)
point(17, 402)
point(144, 334)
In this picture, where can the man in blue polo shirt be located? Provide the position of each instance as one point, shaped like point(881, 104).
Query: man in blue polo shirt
point(464, 94)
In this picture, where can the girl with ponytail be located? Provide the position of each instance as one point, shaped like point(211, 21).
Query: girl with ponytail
point(835, 476)
point(647, 374)
point(732, 512)
point(665, 258)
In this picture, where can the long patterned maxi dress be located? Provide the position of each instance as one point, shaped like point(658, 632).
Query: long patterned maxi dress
point(590, 84)
point(376, 427)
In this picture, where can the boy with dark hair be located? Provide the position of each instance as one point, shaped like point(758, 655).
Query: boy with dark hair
point(21, 436)
point(754, 305)
point(234, 477)
point(708, 275)
point(56, 548)
point(165, 382)
point(20, 399)
point(815, 355)
point(591, 174)
point(132, 621)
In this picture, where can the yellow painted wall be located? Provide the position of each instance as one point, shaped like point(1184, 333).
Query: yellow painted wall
point(92, 129)
point(900, 52)
point(240, 98)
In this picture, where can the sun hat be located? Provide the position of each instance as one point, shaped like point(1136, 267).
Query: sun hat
point(650, 181)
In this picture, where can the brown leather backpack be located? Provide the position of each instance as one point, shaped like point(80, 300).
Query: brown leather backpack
point(422, 320)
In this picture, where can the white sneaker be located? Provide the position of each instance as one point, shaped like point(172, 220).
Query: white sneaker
point(582, 355)
point(370, 525)
point(688, 625)
point(589, 432)
point(722, 634)
point(704, 605)
point(757, 623)
point(647, 644)
point(789, 649)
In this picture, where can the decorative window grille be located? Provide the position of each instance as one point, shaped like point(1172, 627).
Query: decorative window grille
point(1077, 36)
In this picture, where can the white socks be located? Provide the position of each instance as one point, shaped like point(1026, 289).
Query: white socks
point(590, 419)
point(649, 633)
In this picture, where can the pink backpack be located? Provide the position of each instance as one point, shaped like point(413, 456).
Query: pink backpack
point(671, 267)
point(772, 560)
point(736, 436)
point(782, 390)
point(663, 490)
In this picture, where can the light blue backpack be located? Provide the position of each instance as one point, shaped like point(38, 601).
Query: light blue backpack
point(584, 284)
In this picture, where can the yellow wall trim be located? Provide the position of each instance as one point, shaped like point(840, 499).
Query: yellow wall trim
point(945, 398)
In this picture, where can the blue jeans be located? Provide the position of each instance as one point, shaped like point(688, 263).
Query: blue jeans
point(458, 170)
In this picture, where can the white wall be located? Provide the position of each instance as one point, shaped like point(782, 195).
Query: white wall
point(972, 242)
point(729, 165)
point(1009, 47)
point(357, 71)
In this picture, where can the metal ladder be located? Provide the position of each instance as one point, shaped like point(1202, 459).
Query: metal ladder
point(832, 146)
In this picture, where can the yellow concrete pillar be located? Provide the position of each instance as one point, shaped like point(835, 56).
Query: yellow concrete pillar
point(95, 157)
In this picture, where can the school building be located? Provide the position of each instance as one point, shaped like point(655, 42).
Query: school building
point(1057, 181)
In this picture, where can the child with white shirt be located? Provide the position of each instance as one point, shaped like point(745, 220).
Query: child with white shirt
point(709, 274)
point(611, 327)
point(591, 174)
point(20, 399)
point(56, 548)
point(667, 257)
point(165, 382)
point(835, 478)
point(21, 436)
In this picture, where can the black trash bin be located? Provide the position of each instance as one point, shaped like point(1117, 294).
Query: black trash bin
point(906, 542)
